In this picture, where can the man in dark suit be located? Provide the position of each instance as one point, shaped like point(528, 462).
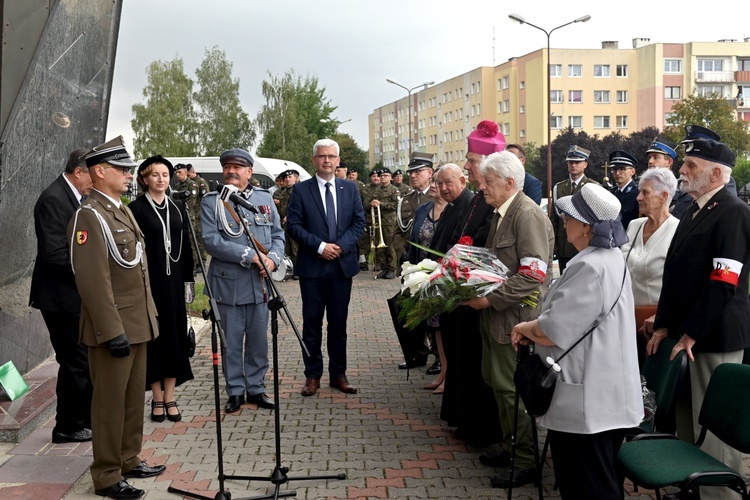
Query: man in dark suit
point(118, 320)
point(54, 293)
point(326, 218)
point(704, 298)
point(532, 187)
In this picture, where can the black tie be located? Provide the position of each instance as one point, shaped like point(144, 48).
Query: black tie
point(330, 214)
point(692, 210)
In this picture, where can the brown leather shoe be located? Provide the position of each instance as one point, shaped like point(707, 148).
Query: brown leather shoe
point(342, 384)
point(311, 387)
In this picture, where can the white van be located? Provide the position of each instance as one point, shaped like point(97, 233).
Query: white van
point(265, 170)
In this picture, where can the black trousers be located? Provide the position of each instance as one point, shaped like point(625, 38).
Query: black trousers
point(74, 387)
point(585, 464)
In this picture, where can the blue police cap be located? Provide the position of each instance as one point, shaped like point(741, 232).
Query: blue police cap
point(704, 143)
point(661, 145)
point(236, 155)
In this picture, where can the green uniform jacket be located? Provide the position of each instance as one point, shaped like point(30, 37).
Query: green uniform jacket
point(563, 249)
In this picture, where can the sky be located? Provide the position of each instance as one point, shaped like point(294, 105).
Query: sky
point(353, 46)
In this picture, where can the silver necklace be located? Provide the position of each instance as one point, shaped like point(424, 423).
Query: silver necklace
point(166, 231)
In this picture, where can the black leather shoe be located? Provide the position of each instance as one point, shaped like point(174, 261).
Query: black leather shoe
point(75, 437)
point(363, 266)
point(414, 363)
point(434, 369)
point(234, 403)
point(295, 277)
point(144, 470)
point(390, 275)
point(381, 274)
point(262, 401)
point(497, 459)
point(520, 477)
point(121, 490)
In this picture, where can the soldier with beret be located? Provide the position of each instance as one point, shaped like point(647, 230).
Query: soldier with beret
point(281, 199)
point(118, 319)
point(398, 182)
point(368, 193)
point(577, 160)
point(237, 277)
point(625, 189)
point(704, 298)
point(352, 175)
point(195, 213)
point(386, 201)
point(342, 169)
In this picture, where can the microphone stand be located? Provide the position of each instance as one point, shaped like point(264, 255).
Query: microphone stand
point(213, 314)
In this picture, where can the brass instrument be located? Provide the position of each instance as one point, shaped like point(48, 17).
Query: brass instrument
point(376, 227)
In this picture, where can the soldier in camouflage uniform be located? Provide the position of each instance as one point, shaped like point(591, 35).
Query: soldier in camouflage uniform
point(368, 193)
point(387, 200)
point(203, 190)
point(419, 172)
point(188, 185)
point(352, 176)
point(281, 199)
point(398, 181)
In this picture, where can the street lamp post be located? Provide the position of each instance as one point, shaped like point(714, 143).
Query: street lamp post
point(519, 19)
point(408, 92)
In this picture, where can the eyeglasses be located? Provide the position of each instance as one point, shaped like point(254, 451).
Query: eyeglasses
point(326, 157)
point(123, 170)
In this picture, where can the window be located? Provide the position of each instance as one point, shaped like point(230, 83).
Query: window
point(672, 93)
point(472, 89)
point(479, 109)
point(673, 66)
point(499, 84)
point(575, 70)
point(473, 110)
point(709, 90)
point(522, 133)
point(622, 70)
point(506, 106)
point(601, 70)
point(575, 121)
point(622, 96)
point(622, 122)
point(499, 106)
point(522, 109)
point(506, 129)
point(710, 65)
point(479, 87)
point(506, 82)
point(522, 85)
point(601, 122)
point(555, 96)
point(555, 70)
point(575, 96)
point(555, 122)
point(601, 96)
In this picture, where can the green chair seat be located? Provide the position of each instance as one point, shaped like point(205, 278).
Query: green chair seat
point(656, 463)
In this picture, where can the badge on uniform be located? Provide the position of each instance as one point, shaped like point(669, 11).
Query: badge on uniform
point(82, 237)
point(266, 211)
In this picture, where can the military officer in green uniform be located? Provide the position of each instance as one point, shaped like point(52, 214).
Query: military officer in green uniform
point(281, 199)
point(577, 159)
point(187, 185)
point(419, 172)
point(203, 190)
point(387, 202)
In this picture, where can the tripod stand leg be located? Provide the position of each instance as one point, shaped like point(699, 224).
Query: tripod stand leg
point(540, 465)
point(513, 434)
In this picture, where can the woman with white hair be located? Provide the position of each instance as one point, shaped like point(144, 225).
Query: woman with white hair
point(598, 391)
point(646, 251)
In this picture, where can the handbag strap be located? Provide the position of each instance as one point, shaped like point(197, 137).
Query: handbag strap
point(601, 318)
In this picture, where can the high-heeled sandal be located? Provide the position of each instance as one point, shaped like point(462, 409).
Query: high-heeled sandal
point(431, 385)
point(440, 389)
point(154, 405)
point(173, 418)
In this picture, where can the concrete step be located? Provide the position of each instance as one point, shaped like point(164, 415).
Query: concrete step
point(21, 417)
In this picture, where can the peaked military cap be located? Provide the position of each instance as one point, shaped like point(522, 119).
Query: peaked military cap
point(622, 159)
point(577, 153)
point(112, 152)
point(705, 143)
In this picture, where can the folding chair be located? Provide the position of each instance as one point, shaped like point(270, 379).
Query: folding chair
point(658, 460)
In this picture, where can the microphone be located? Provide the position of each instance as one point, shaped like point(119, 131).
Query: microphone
point(179, 195)
point(229, 192)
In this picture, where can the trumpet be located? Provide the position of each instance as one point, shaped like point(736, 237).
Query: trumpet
point(376, 227)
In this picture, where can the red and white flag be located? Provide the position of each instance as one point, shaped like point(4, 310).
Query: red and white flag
point(726, 271)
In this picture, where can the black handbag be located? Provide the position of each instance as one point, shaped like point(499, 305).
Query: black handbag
point(190, 338)
point(535, 380)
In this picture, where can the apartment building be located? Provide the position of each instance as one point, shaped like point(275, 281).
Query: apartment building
point(599, 91)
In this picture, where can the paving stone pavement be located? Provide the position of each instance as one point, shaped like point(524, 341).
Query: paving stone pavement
point(387, 439)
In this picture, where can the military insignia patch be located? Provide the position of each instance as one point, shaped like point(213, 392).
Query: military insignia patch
point(82, 237)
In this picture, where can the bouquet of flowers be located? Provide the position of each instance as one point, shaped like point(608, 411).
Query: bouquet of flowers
point(434, 287)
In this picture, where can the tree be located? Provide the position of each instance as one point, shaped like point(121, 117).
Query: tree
point(295, 115)
point(166, 124)
point(351, 153)
point(223, 123)
point(714, 112)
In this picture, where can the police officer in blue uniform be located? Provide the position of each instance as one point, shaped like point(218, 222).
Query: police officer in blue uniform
point(238, 280)
point(625, 189)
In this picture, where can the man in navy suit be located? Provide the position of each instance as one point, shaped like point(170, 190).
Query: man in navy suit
point(325, 217)
point(54, 292)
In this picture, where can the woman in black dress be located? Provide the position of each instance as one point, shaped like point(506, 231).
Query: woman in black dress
point(170, 267)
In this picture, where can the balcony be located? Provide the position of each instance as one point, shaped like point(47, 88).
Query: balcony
point(742, 76)
point(714, 76)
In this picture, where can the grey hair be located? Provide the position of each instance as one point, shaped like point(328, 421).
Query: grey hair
point(506, 165)
point(726, 173)
point(326, 143)
point(452, 167)
point(662, 179)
